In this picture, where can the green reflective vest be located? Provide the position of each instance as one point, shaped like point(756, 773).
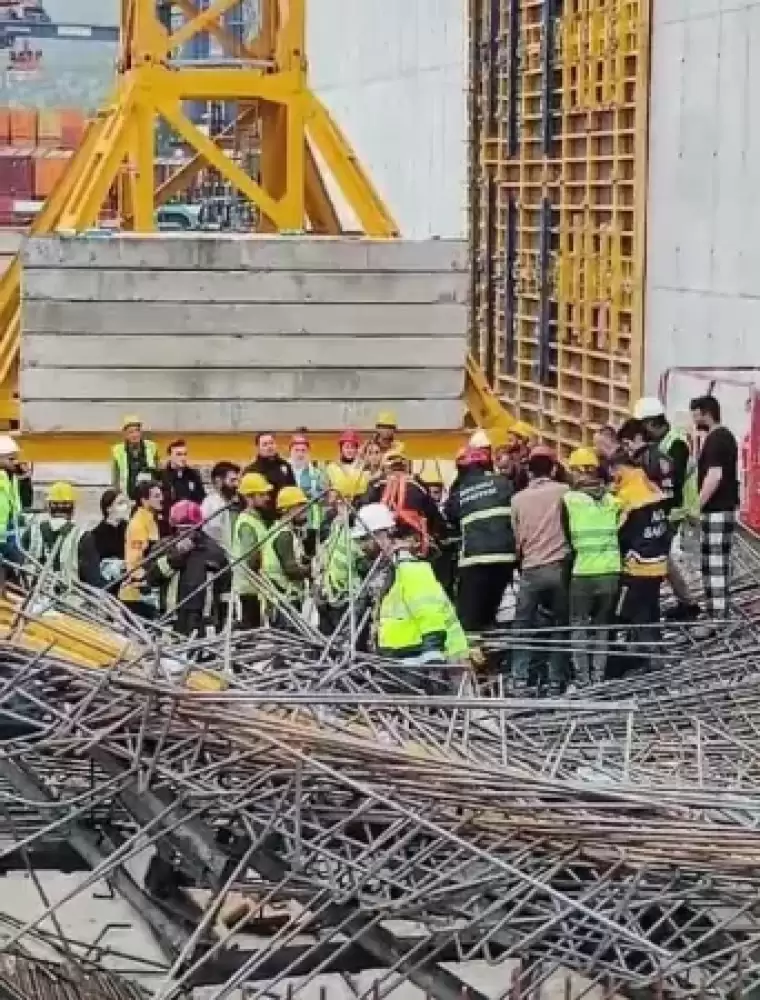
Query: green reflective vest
point(120, 460)
point(593, 533)
point(271, 567)
point(62, 546)
point(341, 576)
point(242, 548)
point(690, 493)
point(414, 607)
point(10, 505)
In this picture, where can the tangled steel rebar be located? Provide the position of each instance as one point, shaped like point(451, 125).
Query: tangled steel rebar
point(359, 813)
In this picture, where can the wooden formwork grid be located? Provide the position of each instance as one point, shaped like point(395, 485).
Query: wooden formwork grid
point(558, 130)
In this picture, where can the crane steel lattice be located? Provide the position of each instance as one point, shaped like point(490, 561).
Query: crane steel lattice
point(266, 76)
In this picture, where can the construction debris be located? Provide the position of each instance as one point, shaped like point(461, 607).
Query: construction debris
point(367, 814)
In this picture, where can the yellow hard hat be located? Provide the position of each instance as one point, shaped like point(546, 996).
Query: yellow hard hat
point(583, 458)
point(430, 474)
point(386, 419)
point(290, 497)
point(254, 483)
point(61, 493)
point(131, 420)
point(394, 454)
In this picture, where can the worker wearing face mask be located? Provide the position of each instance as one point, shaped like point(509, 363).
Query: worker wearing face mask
point(109, 534)
point(54, 540)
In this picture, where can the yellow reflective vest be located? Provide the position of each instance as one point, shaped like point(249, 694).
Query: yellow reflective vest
point(248, 533)
point(10, 505)
point(415, 617)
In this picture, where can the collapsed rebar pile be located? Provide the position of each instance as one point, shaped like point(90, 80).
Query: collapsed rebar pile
point(383, 817)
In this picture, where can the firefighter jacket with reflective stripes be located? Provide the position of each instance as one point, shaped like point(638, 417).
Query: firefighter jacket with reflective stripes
point(592, 519)
point(129, 463)
point(10, 505)
point(199, 579)
point(340, 558)
point(415, 618)
point(644, 532)
point(283, 551)
point(248, 536)
point(480, 507)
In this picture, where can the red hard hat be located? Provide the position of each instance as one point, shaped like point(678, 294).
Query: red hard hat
point(185, 513)
point(299, 439)
point(349, 437)
point(477, 456)
point(542, 451)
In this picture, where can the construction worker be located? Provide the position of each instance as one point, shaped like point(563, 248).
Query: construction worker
point(134, 459)
point(340, 568)
point(142, 535)
point(109, 535)
point(270, 464)
point(409, 500)
point(54, 539)
point(590, 517)
point(543, 553)
point(284, 562)
point(222, 504)
point(11, 506)
point(350, 465)
point(251, 529)
point(314, 482)
point(414, 620)
point(674, 445)
point(480, 512)
point(644, 539)
point(194, 574)
point(512, 459)
point(386, 427)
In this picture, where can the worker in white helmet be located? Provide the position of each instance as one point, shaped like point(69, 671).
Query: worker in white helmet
point(663, 440)
point(415, 622)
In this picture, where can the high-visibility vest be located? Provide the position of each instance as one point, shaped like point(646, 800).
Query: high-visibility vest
point(593, 533)
point(314, 483)
point(340, 564)
point(10, 505)
point(414, 607)
point(243, 583)
point(62, 545)
point(119, 456)
point(271, 567)
point(690, 493)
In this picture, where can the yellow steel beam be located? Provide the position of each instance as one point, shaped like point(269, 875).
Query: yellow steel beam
point(231, 46)
point(200, 22)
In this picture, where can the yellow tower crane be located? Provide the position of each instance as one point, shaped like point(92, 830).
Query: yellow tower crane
point(266, 76)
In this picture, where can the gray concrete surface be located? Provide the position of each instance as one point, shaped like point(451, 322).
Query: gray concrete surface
point(703, 267)
point(221, 334)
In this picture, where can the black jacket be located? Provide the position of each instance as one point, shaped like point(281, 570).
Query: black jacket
point(660, 470)
point(480, 507)
point(275, 470)
point(181, 484)
point(206, 559)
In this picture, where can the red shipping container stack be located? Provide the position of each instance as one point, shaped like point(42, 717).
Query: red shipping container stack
point(5, 126)
point(72, 128)
point(17, 174)
point(23, 127)
point(49, 128)
point(6, 209)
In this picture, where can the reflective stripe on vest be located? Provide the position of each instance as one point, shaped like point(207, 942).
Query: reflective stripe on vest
point(416, 592)
point(64, 550)
point(11, 496)
point(241, 573)
point(119, 456)
point(340, 564)
point(272, 569)
point(593, 533)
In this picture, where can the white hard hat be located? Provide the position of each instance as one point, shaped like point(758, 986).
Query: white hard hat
point(373, 517)
point(8, 446)
point(480, 440)
point(648, 407)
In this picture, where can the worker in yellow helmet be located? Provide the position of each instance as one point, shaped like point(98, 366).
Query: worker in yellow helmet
point(590, 518)
point(134, 459)
point(54, 539)
point(284, 562)
point(386, 427)
point(248, 535)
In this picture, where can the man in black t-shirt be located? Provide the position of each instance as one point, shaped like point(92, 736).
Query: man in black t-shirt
point(718, 483)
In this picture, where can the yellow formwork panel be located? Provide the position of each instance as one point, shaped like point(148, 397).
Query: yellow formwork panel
point(559, 97)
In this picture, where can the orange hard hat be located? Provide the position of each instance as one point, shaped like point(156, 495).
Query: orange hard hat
point(543, 451)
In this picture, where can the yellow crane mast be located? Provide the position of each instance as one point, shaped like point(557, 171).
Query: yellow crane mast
point(267, 78)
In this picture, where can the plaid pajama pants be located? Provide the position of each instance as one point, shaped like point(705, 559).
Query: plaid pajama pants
point(717, 539)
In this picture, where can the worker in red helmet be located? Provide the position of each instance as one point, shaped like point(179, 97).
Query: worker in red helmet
point(544, 554)
point(348, 474)
point(194, 574)
point(479, 510)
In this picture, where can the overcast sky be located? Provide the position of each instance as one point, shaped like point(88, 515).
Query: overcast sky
point(84, 11)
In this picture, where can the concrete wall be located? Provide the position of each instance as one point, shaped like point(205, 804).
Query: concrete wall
point(394, 75)
point(703, 267)
point(222, 334)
